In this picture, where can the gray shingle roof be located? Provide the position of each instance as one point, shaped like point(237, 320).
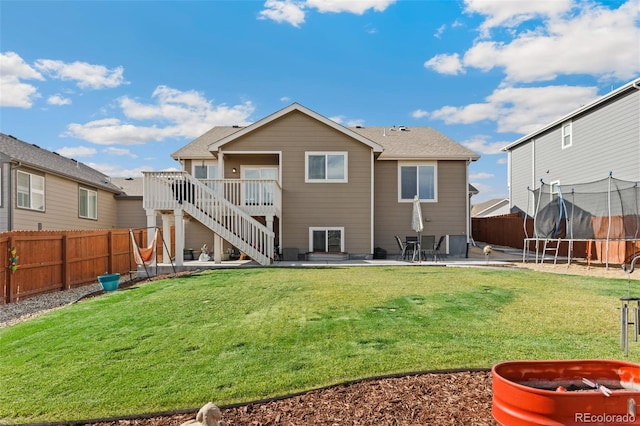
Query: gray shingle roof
point(33, 156)
point(131, 187)
point(414, 143)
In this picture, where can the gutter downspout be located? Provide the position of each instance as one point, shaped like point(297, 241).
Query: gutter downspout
point(468, 202)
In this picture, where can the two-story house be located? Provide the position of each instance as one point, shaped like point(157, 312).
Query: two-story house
point(297, 182)
point(42, 190)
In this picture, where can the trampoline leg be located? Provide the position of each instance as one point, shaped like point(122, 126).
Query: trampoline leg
point(624, 323)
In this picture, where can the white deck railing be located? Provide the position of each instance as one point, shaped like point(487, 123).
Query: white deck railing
point(207, 202)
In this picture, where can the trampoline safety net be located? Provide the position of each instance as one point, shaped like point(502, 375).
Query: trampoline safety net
point(604, 210)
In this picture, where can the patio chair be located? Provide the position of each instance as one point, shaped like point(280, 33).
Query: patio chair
point(428, 246)
point(403, 248)
point(436, 251)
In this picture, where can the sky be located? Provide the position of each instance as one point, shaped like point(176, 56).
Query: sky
point(120, 85)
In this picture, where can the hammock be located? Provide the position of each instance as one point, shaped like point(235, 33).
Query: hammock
point(144, 256)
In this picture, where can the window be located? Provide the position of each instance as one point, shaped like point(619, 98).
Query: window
point(420, 179)
point(88, 203)
point(328, 240)
point(566, 135)
point(30, 191)
point(206, 170)
point(326, 167)
point(555, 186)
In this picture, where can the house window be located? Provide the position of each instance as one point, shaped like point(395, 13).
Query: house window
point(259, 193)
point(326, 240)
point(420, 179)
point(206, 170)
point(566, 135)
point(326, 167)
point(88, 203)
point(30, 191)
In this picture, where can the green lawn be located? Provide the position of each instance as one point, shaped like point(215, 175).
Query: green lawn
point(238, 335)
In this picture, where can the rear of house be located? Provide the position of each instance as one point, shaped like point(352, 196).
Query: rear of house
point(317, 186)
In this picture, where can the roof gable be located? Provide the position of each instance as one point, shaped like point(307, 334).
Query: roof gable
point(295, 107)
point(41, 159)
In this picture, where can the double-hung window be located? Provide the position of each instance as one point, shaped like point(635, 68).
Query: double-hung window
point(30, 191)
point(326, 240)
point(87, 203)
point(326, 167)
point(567, 139)
point(417, 179)
point(205, 171)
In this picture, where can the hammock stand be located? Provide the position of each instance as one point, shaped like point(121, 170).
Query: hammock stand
point(148, 256)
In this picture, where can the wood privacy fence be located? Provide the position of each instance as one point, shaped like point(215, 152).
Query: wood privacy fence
point(506, 230)
point(60, 260)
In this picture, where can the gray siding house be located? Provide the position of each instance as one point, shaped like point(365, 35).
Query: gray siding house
point(298, 182)
point(583, 146)
point(42, 190)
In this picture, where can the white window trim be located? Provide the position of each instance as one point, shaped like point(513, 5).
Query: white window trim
point(325, 153)
point(89, 191)
point(326, 228)
point(32, 191)
point(570, 124)
point(553, 186)
point(402, 164)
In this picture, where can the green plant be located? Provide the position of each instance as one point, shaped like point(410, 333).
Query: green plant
point(13, 259)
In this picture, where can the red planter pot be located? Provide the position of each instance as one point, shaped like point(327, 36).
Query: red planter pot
point(553, 393)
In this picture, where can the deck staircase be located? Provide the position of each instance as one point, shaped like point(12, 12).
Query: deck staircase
point(173, 190)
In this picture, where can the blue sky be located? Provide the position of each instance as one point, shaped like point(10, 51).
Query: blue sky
point(120, 85)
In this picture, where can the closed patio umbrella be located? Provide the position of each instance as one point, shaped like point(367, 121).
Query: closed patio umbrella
point(416, 221)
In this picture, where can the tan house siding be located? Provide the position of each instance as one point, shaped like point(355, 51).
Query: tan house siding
point(447, 216)
point(61, 208)
point(308, 205)
point(130, 214)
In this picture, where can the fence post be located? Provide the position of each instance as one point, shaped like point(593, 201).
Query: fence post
point(66, 278)
point(110, 246)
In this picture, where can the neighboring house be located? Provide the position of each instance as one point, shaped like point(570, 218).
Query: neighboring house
point(494, 207)
point(42, 190)
point(298, 182)
point(583, 146)
point(129, 203)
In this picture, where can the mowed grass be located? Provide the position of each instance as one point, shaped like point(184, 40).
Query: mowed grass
point(238, 335)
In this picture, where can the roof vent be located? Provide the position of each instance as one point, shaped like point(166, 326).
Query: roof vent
point(235, 126)
point(403, 128)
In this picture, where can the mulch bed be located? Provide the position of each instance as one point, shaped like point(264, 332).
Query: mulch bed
point(443, 398)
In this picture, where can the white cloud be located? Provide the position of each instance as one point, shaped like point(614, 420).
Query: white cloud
point(293, 12)
point(520, 110)
point(13, 92)
point(337, 118)
point(502, 160)
point(440, 31)
point(597, 41)
point(481, 175)
point(120, 152)
point(280, 11)
point(481, 145)
point(86, 75)
point(77, 151)
point(357, 7)
point(115, 170)
point(285, 99)
point(58, 100)
point(581, 38)
point(419, 113)
point(187, 114)
point(512, 13)
point(445, 64)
